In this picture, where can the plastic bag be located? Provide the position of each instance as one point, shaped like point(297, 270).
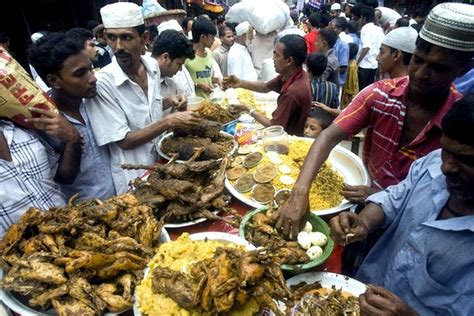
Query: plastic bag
point(265, 16)
point(18, 92)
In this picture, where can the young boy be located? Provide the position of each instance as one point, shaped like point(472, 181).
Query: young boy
point(317, 120)
point(323, 91)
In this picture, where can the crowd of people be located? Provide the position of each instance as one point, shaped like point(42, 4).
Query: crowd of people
point(406, 82)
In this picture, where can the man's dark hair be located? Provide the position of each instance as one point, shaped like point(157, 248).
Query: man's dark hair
point(174, 43)
point(224, 29)
point(140, 29)
point(324, 20)
point(324, 118)
point(184, 23)
point(330, 36)
point(372, 4)
point(406, 56)
point(48, 54)
point(341, 23)
point(80, 35)
point(295, 47)
point(232, 26)
point(316, 63)
point(4, 38)
point(458, 123)
point(353, 49)
point(352, 27)
point(367, 13)
point(91, 24)
point(202, 26)
point(419, 13)
point(153, 31)
point(315, 19)
point(294, 16)
point(461, 56)
point(402, 22)
point(357, 10)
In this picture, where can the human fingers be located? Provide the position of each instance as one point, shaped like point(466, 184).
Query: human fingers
point(347, 221)
point(366, 308)
point(337, 232)
point(43, 112)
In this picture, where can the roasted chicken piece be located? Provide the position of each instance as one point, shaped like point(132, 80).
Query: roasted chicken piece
point(115, 302)
point(216, 187)
point(183, 289)
point(206, 129)
point(72, 307)
point(44, 299)
point(37, 267)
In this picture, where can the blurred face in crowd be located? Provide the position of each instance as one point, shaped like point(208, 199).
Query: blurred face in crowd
point(91, 49)
point(432, 72)
point(207, 40)
point(75, 77)
point(458, 167)
point(280, 62)
point(228, 38)
point(387, 59)
point(335, 13)
point(169, 67)
point(312, 127)
point(127, 45)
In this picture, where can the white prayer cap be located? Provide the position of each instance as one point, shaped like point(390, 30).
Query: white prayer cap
point(36, 36)
point(402, 38)
point(169, 25)
point(121, 15)
point(242, 28)
point(336, 7)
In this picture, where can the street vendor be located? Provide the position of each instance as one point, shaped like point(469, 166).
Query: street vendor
point(402, 115)
point(293, 84)
point(127, 113)
point(423, 263)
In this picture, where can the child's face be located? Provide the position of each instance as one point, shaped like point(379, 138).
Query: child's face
point(312, 128)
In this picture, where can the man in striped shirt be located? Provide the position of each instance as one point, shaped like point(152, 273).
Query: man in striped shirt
point(323, 91)
point(402, 116)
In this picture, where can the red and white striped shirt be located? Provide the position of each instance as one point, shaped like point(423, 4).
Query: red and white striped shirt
point(381, 108)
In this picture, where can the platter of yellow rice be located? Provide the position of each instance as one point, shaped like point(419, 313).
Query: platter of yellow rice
point(178, 255)
point(325, 193)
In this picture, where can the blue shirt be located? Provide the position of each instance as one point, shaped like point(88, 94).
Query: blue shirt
point(429, 263)
point(95, 178)
point(465, 83)
point(355, 39)
point(341, 49)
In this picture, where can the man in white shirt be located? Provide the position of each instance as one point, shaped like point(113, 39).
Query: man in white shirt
point(336, 11)
point(387, 18)
point(127, 113)
point(371, 37)
point(239, 62)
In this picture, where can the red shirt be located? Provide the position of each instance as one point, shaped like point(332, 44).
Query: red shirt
point(311, 40)
point(381, 107)
point(293, 103)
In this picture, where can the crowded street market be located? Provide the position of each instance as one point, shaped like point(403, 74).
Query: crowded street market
point(270, 157)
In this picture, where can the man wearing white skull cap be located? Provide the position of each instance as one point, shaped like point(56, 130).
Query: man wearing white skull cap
point(396, 51)
point(127, 113)
point(239, 61)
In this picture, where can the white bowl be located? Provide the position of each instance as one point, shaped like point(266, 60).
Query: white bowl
point(195, 103)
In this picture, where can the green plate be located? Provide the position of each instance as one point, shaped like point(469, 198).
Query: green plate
point(319, 225)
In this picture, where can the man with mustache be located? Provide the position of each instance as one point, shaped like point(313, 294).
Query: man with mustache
point(65, 65)
point(424, 262)
point(127, 113)
point(402, 115)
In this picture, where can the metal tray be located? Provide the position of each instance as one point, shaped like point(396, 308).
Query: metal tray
point(348, 165)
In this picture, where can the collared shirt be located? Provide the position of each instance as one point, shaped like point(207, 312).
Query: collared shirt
point(220, 56)
point(239, 63)
point(311, 40)
point(293, 103)
point(325, 92)
point(331, 73)
point(381, 107)
point(341, 49)
point(184, 83)
point(120, 107)
point(345, 38)
point(426, 261)
point(94, 180)
point(27, 180)
point(371, 36)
